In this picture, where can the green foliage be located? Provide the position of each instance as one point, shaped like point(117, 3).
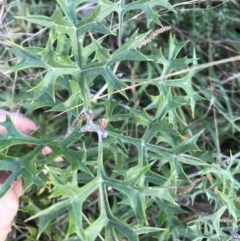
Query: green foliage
point(122, 181)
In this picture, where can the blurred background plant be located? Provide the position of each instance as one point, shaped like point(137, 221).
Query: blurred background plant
point(147, 180)
point(213, 28)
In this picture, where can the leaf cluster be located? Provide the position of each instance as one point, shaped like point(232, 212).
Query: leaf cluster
point(125, 186)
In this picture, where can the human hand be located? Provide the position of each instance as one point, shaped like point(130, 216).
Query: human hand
point(9, 203)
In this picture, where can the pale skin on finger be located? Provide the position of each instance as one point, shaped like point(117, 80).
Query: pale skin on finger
point(24, 125)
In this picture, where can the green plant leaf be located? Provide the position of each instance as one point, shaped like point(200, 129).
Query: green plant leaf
point(189, 144)
point(69, 9)
point(147, 7)
point(23, 167)
point(14, 137)
point(128, 50)
point(113, 82)
point(72, 204)
point(91, 23)
point(29, 58)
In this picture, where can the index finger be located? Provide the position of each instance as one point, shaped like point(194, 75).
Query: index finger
point(23, 124)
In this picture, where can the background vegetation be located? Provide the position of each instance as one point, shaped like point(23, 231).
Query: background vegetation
point(169, 168)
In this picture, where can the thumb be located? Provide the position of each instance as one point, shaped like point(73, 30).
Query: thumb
point(8, 208)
